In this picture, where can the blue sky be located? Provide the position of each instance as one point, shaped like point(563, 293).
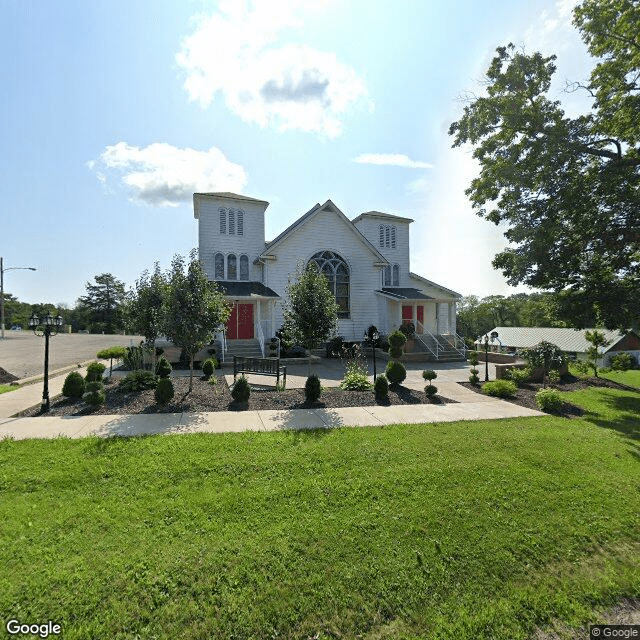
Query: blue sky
point(114, 112)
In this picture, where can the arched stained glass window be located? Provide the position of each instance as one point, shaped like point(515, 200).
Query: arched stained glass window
point(244, 267)
point(336, 270)
point(232, 270)
point(219, 267)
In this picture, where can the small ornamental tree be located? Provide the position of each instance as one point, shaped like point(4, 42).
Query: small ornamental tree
point(145, 308)
point(195, 308)
point(544, 355)
point(110, 353)
point(597, 340)
point(311, 309)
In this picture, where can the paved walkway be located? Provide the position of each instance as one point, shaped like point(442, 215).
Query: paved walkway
point(468, 406)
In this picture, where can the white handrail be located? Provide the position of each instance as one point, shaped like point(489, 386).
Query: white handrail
point(424, 331)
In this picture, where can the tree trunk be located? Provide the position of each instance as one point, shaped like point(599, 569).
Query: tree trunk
point(191, 372)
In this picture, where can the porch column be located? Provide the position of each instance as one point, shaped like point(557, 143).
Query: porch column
point(437, 327)
point(414, 315)
point(452, 317)
point(273, 319)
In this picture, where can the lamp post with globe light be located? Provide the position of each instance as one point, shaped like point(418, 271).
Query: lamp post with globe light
point(51, 327)
point(2, 270)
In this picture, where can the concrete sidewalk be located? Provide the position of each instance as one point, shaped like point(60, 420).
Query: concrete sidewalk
point(468, 405)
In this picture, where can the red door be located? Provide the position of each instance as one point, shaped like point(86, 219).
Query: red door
point(240, 322)
point(407, 313)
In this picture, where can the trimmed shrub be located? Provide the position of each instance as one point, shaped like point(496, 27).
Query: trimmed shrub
point(549, 400)
point(500, 388)
point(163, 368)
point(396, 342)
point(519, 376)
point(138, 380)
point(430, 390)
point(74, 385)
point(473, 378)
point(164, 391)
point(473, 358)
point(429, 374)
point(622, 362)
point(94, 393)
point(209, 366)
point(395, 372)
point(111, 353)
point(312, 388)
point(95, 370)
point(241, 390)
point(381, 387)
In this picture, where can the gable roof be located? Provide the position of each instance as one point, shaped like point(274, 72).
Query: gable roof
point(380, 214)
point(327, 206)
point(434, 284)
point(567, 339)
point(223, 194)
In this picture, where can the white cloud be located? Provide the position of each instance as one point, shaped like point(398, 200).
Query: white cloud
point(162, 175)
point(238, 53)
point(392, 160)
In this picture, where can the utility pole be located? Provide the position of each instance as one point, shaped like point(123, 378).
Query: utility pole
point(2, 270)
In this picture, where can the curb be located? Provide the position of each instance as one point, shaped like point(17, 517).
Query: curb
point(22, 382)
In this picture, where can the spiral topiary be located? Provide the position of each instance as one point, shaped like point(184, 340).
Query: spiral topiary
point(395, 372)
point(396, 342)
point(163, 368)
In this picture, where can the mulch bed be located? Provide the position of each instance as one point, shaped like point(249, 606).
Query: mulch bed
point(6, 377)
point(217, 397)
point(526, 395)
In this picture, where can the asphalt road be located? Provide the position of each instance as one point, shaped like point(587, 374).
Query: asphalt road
point(22, 352)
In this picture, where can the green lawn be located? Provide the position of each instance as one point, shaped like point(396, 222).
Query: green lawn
point(4, 388)
point(630, 378)
point(462, 530)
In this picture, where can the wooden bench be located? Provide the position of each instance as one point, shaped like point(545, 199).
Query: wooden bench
point(260, 366)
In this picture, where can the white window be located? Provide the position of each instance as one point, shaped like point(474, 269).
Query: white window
point(232, 271)
point(232, 222)
point(219, 266)
point(396, 275)
point(244, 267)
point(240, 222)
point(223, 221)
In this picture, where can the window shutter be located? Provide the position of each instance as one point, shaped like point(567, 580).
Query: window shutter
point(381, 231)
point(223, 221)
point(393, 237)
point(240, 222)
point(232, 222)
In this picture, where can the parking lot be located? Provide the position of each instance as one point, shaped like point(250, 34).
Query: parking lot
point(22, 352)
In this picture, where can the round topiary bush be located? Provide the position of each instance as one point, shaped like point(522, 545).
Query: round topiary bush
point(164, 391)
point(241, 390)
point(500, 388)
point(95, 370)
point(163, 368)
point(94, 393)
point(430, 390)
point(396, 342)
point(473, 378)
point(209, 366)
point(312, 388)
point(381, 387)
point(549, 400)
point(74, 385)
point(395, 372)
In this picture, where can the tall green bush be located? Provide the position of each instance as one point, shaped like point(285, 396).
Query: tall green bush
point(164, 391)
point(395, 372)
point(396, 340)
point(74, 386)
point(241, 390)
point(95, 371)
point(381, 387)
point(312, 388)
point(163, 368)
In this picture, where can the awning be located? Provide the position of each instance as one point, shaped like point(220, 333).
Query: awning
point(403, 293)
point(246, 290)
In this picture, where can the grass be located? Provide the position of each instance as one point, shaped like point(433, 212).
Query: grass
point(5, 388)
point(631, 378)
point(463, 530)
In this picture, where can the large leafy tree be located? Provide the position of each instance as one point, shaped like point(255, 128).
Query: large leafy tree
point(195, 307)
point(568, 189)
point(104, 300)
point(311, 309)
point(146, 307)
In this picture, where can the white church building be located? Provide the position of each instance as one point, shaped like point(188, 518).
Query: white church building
point(366, 261)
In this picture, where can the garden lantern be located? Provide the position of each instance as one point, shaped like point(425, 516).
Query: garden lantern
point(50, 327)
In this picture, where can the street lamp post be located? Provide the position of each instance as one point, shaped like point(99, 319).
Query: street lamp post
point(494, 335)
point(51, 328)
point(2, 270)
point(372, 339)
